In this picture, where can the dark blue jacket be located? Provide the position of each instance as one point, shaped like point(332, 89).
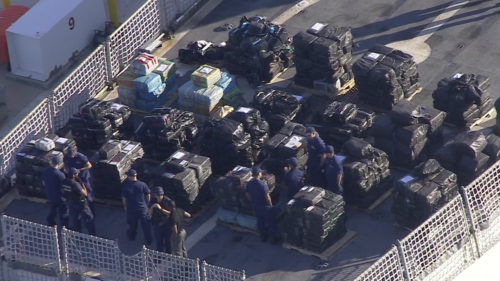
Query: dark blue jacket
point(258, 191)
point(315, 148)
point(52, 180)
point(333, 167)
point(134, 192)
point(293, 180)
point(78, 162)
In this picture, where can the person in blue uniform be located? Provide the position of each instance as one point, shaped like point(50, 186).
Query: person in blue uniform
point(135, 198)
point(333, 171)
point(316, 149)
point(52, 178)
point(293, 178)
point(77, 160)
point(262, 204)
point(76, 196)
point(160, 209)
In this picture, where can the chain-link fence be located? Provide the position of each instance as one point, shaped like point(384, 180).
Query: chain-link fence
point(35, 244)
point(36, 123)
point(215, 273)
point(450, 240)
point(31, 243)
point(84, 82)
point(142, 26)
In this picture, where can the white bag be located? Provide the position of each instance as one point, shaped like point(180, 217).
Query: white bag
point(45, 144)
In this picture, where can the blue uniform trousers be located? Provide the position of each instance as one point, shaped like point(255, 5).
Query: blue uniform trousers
point(81, 215)
point(162, 234)
point(133, 220)
point(58, 209)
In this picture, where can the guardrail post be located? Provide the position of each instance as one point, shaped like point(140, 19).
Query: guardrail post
point(470, 219)
point(404, 262)
point(109, 67)
point(243, 275)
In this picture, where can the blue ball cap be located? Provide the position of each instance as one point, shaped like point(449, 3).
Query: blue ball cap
point(256, 171)
point(330, 149)
point(292, 161)
point(73, 171)
point(157, 190)
point(132, 173)
point(310, 130)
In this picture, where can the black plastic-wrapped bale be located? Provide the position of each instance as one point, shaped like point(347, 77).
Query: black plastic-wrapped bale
point(412, 134)
point(358, 148)
point(470, 143)
point(200, 164)
point(404, 113)
point(471, 167)
point(339, 112)
point(492, 149)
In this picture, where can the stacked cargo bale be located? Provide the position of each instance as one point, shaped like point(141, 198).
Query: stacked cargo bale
point(227, 144)
point(97, 122)
point(314, 219)
point(230, 189)
point(465, 97)
point(33, 158)
point(258, 49)
point(469, 154)
point(201, 94)
point(116, 158)
point(406, 132)
point(148, 83)
point(497, 108)
point(201, 51)
point(255, 125)
point(422, 192)
point(289, 142)
point(384, 76)
point(323, 57)
point(277, 107)
point(340, 121)
point(366, 172)
point(166, 130)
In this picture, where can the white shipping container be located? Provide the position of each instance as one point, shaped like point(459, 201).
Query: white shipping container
point(50, 33)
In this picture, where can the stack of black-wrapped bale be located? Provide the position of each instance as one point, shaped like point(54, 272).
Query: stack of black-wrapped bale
point(116, 158)
point(366, 172)
point(340, 121)
point(465, 97)
point(384, 76)
point(497, 108)
point(422, 192)
point(323, 57)
point(289, 142)
point(97, 122)
point(227, 144)
point(407, 132)
point(230, 189)
point(469, 154)
point(258, 49)
point(32, 159)
point(277, 107)
point(165, 130)
point(314, 219)
point(255, 125)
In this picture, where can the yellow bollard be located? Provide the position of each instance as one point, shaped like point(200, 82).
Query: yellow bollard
point(113, 12)
point(6, 3)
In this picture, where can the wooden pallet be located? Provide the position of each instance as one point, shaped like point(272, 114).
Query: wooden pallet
point(417, 91)
point(491, 114)
point(327, 254)
point(349, 86)
point(277, 78)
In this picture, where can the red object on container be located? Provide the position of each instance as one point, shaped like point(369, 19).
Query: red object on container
point(8, 16)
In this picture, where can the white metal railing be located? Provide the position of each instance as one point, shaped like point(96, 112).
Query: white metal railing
point(68, 253)
point(450, 240)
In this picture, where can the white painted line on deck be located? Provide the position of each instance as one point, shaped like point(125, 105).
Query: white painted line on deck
point(417, 47)
point(294, 10)
point(199, 233)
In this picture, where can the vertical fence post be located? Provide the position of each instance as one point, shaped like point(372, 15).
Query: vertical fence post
point(109, 67)
point(404, 262)
point(162, 7)
point(243, 275)
point(470, 219)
